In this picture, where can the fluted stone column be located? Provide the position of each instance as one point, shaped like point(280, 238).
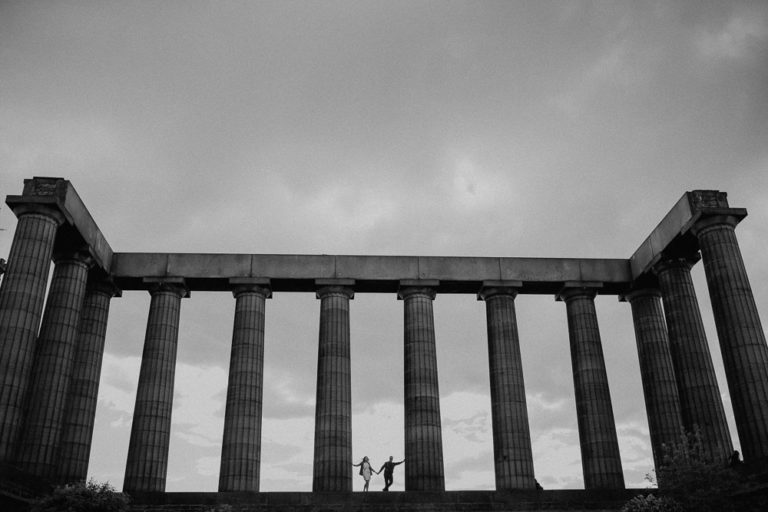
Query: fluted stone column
point(512, 454)
point(241, 444)
point(75, 446)
point(21, 305)
point(700, 402)
point(147, 463)
point(423, 434)
point(52, 368)
point(662, 401)
point(741, 335)
point(332, 469)
point(600, 458)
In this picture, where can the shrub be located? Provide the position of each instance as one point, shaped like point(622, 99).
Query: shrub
point(691, 476)
point(690, 480)
point(651, 503)
point(83, 497)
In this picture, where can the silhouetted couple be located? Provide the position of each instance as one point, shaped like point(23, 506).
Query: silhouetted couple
point(366, 471)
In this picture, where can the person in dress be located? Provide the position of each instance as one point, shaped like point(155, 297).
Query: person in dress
point(366, 471)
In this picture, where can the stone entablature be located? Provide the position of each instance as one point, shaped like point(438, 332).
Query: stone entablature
point(372, 274)
point(78, 229)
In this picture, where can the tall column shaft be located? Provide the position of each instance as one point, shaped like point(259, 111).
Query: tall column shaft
point(75, 446)
point(423, 434)
point(741, 335)
point(333, 410)
point(52, 368)
point(700, 402)
point(512, 454)
point(21, 305)
point(600, 458)
point(147, 463)
point(241, 444)
point(662, 401)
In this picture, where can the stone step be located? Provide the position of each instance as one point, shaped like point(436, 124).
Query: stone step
point(449, 501)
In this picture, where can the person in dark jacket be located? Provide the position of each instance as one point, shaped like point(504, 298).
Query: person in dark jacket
point(389, 469)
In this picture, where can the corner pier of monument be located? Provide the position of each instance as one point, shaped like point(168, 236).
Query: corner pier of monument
point(52, 341)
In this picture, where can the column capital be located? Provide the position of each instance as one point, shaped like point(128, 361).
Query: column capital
point(493, 288)
point(639, 292)
point(684, 261)
point(103, 284)
point(707, 222)
point(410, 287)
point(167, 284)
point(31, 208)
point(260, 285)
point(78, 254)
point(572, 289)
point(325, 287)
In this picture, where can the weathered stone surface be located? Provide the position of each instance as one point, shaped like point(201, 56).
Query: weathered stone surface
point(241, 444)
point(147, 463)
point(741, 335)
point(513, 458)
point(450, 501)
point(332, 467)
point(75, 445)
point(600, 457)
point(372, 274)
point(52, 368)
point(700, 402)
point(657, 372)
point(676, 225)
point(423, 435)
point(59, 195)
point(21, 305)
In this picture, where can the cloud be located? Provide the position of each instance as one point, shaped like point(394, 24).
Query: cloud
point(208, 466)
point(198, 395)
point(117, 388)
point(740, 37)
point(287, 454)
point(284, 397)
point(541, 401)
point(557, 458)
point(636, 454)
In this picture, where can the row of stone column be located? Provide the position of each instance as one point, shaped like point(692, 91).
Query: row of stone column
point(678, 379)
point(679, 382)
point(423, 437)
point(50, 380)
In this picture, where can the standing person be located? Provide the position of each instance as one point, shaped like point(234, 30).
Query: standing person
point(366, 471)
point(389, 469)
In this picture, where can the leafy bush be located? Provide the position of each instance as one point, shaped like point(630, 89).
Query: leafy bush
point(651, 503)
point(690, 476)
point(83, 497)
point(690, 480)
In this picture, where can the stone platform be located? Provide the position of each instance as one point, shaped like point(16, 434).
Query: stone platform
point(464, 501)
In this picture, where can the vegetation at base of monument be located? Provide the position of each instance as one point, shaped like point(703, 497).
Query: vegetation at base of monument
point(690, 480)
point(88, 496)
point(651, 503)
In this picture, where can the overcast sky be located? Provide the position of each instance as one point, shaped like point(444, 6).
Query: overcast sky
point(540, 128)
